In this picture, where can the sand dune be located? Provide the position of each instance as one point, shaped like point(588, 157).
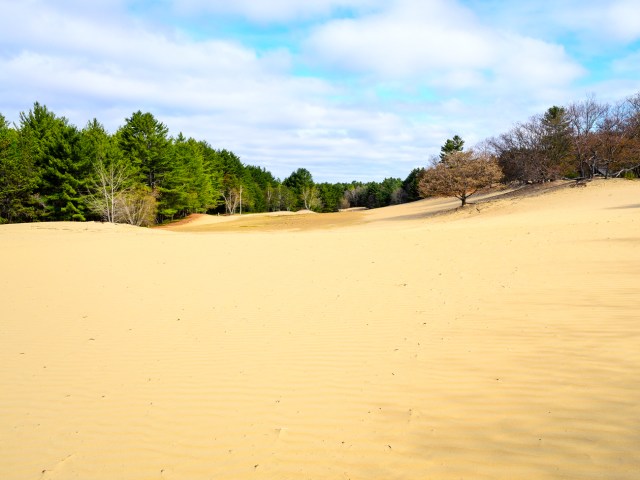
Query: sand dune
point(496, 342)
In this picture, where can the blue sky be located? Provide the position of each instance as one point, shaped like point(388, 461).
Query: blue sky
point(349, 89)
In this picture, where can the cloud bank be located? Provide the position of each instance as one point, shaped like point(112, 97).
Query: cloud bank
point(350, 89)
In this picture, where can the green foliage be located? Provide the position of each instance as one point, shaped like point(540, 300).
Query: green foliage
point(18, 178)
point(258, 182)
point(52, 144)
point(331, 195)
point(455, 144)
point(556, 141)
point(49, 170)
point(411, 185)
point(299, 182)
point(144, 143)
point(211, 165)
point(186, 187)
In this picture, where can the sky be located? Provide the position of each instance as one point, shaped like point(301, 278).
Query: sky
point(348, 89)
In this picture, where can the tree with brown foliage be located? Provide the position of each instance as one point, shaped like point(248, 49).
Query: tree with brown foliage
point(460, 176)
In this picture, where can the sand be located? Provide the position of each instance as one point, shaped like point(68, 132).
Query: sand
point(497, 342)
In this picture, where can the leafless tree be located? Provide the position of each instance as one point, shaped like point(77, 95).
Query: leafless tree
point(116, 200)
point(519, 152)
point(585, 118)
point(232, 197)
point(109, 185)
point(612, 145)
point(310, 197)
point(137, 207)
point(535, 151)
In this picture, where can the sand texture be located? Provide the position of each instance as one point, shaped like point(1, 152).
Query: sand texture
point(501, 341)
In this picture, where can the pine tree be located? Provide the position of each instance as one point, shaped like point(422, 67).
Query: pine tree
point(455, 144)
point(18, 178)
point(52, 144)
point(145, 144)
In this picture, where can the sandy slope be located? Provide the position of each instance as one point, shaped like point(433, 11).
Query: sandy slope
point(498, 342)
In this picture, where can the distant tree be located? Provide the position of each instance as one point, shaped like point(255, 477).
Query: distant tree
point(18, 177)
point(300, 183)
point(455, 144)
point(330, 196)
point(355, 195)
point(390, 192)
point(232, 195)
point(612, 146)
point(584, 120)
point(298, 179)
point(270, 197)
point(51, 143)
point(311, 198)
point(145, 143)
point(410, 185)
point(462, 175)
point(556, 142)
point(211, 163)
point(632, 131)
point(186, 187)
point(138, 206)
point(234, 181)
point(260, 184)
point(535, 151)
point(110, 175)
point(287, 199)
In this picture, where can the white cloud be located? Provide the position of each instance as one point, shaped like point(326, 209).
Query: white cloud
point(418, 72)
point(411, 39)
point(214, 90)
point(273, 10)
point(438, 43)
point(593, 24)
point(624, 20)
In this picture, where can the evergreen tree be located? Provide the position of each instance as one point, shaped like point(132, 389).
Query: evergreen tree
point(186, 187)
point(556, 141)
point(144, 142)
point(18, 178)
point(213, 170)
point(331, 196)
point(411, 185)
point(300, 182)
point(51, 143)
point(455, 144)
point(259, 181)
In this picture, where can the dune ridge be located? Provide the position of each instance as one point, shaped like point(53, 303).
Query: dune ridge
point(499, 341)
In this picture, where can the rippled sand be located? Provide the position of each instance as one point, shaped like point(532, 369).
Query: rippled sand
point(498, 342)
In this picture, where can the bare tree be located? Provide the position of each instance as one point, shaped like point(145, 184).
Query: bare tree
point(137, 206)
point(232, 197)
point(270, 197)
point(462, 175)
point(611, 146)
point(535, 151)
point(584, 119)
point(310, 197)
point(115, 200)
point(109, 185)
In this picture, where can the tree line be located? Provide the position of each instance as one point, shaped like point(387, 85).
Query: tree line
point(579, 141)
point(52, 171)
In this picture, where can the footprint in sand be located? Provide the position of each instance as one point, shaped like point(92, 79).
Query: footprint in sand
point(48, 472)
